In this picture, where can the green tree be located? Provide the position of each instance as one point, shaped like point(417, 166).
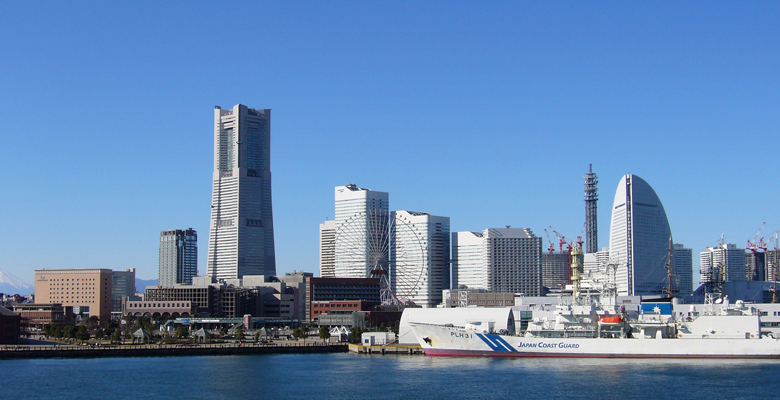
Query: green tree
point(116, 336)
point(181, 332)
point(324, 333)
point(92, 324)
point(82, 333)
point(57, 331)
point(356, 335)
point(240, 333)
point(257, 336)
point(69, 332)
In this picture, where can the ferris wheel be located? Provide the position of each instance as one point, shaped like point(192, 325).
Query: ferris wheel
point(375, 244)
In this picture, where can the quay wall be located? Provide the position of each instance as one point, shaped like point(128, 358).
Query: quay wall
point(9, 352)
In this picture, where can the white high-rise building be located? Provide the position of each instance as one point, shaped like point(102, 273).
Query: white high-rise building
point(503, 260)
point(638, 238)
point(420, 254)
point(595, 264)
point(469, 261)
point(327, 249)
point(362, 232)
point(241, 240)
point(723, 263)
point(682, 265)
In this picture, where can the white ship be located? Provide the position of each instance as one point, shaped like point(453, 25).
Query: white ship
point(597, 327)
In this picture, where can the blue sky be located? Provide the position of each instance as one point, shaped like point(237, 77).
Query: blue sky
point(486, 112)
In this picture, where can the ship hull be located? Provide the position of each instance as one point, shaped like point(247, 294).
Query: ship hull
point(437, 340)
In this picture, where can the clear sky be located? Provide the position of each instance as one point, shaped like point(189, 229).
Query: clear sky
point(486, 112)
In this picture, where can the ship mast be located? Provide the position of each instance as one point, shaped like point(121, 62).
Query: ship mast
point(576, 272)
point(670, 290)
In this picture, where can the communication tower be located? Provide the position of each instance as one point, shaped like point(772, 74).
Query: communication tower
point(591, 199)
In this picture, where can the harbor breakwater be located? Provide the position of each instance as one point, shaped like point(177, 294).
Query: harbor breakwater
point(163, 350)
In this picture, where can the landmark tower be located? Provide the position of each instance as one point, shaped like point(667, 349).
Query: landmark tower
point(241, 241)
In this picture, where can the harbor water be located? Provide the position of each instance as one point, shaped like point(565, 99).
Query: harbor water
point(352, 376)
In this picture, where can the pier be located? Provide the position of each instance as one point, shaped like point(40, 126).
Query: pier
point(410, 349)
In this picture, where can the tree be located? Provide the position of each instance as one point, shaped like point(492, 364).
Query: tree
point(92, 324)
point(181, 332)
point(240, 333)
point(82, 333)
point(116, 336)
point(257, 336)
point(300, 333)
point(324, 333)
point(356, 335)
point(69, 332)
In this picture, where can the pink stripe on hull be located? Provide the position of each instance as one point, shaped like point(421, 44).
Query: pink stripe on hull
point(477, 353)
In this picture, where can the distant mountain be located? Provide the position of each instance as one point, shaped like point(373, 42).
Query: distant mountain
point(10, 284)
point(141, 284)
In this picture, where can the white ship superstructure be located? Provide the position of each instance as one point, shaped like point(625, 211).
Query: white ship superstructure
point(596, 326)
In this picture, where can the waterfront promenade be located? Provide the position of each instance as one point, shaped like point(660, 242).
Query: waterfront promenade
point(164, 350)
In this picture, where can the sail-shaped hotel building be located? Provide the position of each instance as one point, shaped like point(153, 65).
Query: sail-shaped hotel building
point(639, 238)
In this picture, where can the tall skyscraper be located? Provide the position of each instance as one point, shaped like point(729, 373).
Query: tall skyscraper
point(503, 260)
point(178, 257)
point(591, 214)
point(327, 249)
point(682, 265)
point(362, 232)
point(638, 238)
point(420, 257)
point(241, 241)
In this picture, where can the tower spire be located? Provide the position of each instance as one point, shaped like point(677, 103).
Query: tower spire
point(591, 199)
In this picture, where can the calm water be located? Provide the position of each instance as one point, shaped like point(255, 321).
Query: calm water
point(350, 376)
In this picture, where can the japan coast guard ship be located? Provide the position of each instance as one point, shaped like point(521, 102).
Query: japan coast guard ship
point(589, 328)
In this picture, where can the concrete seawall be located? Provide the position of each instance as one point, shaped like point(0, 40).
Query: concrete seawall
point(9, 352)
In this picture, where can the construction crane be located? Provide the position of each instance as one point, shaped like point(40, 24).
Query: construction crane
point(561, 240)
point(751, 244)
point(552, 246)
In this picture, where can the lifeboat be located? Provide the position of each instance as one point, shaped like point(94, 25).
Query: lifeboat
point(611, 320)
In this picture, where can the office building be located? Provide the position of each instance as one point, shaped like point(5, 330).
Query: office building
point(772, 259)
point(178, 256)
point(755, 263)
point(555, 269)
point(499, 260)
point(420, 254)
point(122, 285)
point(323, 295)
point(596, 264)
point(88, 291)
point(723, 263)
point(241, 240)
point(327, 249)
point(638, 238)
point(362, 227)
point(10, 326)
point(682, 266)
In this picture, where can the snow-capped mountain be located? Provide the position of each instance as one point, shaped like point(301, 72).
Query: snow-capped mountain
point(10, 284)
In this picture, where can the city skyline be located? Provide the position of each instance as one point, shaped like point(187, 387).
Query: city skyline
point(488, 114)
